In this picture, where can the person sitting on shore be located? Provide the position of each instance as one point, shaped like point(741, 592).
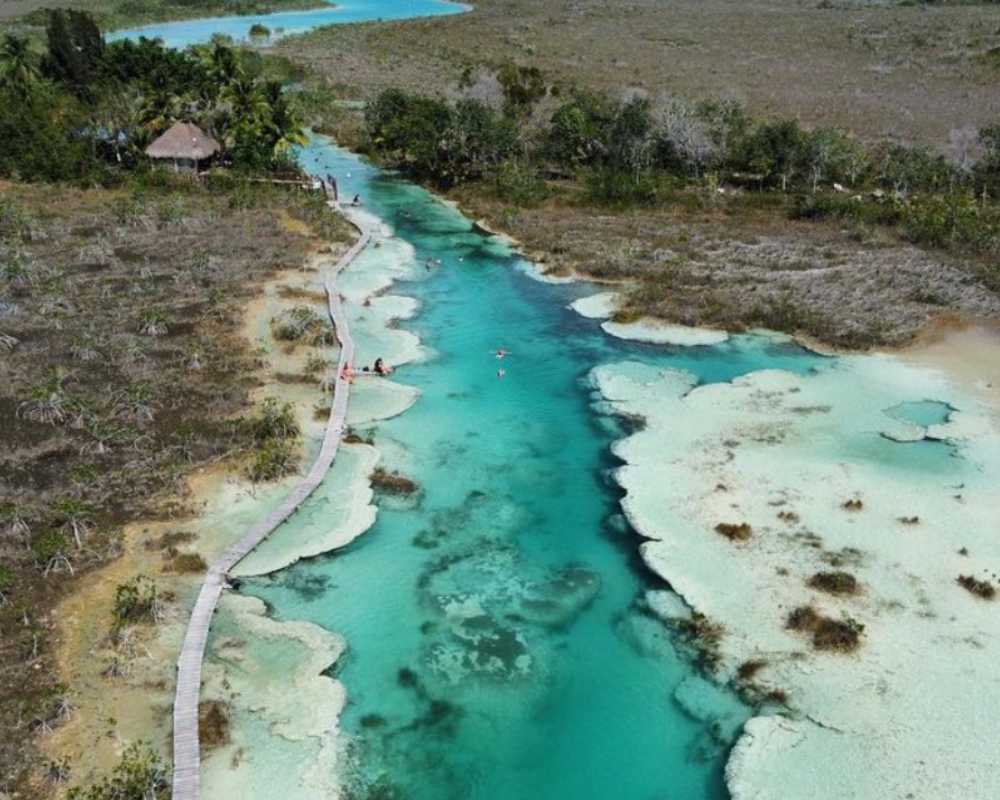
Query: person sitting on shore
point(347, 373)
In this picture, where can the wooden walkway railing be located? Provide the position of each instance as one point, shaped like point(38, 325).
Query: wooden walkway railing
point(187, 754)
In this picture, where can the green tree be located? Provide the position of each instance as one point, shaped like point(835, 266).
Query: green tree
point(577, 133)
point(913, 169)
point(827, 154)
point(284, 126)
point(75, 51)
point(34, 129)
point(988, 169)
point(18, 65)
point(774, 151)
point(523, 87)
point(630, 138)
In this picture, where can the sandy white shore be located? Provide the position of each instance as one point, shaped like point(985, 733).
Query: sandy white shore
point(597, 306)
point(604, 304)
point(910, 713)
point(295, 716)
point(654, 332)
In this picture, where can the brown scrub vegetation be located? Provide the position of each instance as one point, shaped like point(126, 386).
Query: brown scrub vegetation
point(100, 419)
point(834, 582)
point(735, 532)
point(841, 635)
point(979, 588)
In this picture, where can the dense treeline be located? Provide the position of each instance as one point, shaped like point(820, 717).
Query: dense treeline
point(636, 151)
point(86, 109)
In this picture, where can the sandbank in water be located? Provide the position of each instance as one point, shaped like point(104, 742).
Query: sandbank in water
point(906, 714)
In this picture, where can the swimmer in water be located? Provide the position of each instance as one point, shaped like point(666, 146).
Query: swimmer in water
point(501, 353)
point(501, 372)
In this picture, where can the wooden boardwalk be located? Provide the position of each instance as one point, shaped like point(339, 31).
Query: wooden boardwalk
point(187, 755)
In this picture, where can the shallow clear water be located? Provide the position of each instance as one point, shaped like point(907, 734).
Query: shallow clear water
point(499, 646)
point(921, 412)
point(285, 23)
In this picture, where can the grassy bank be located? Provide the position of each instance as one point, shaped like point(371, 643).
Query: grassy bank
point(910, 71)
point(710, 215)
point(125, 367)
point(771, 248)
point(123, 370)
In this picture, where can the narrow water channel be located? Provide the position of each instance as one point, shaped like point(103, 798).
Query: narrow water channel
point(500, 646)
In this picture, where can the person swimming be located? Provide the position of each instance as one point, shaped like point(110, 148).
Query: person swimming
point(381, 368)
point(501, 353)
point(501, 372)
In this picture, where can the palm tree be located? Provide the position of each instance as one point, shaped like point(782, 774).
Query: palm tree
point(18, 67)
point(160, 108)
point(49, 402)
point(76, 515)
point(245, 100)
point(224, 65)
point(286, 127)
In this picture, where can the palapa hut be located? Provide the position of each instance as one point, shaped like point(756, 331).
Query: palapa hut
point(187, 145)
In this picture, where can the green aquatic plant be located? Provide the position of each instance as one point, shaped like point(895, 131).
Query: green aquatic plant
point(838, 634)
point(213, 724)
point(803, 618)
point(392, 482)
point(749, 668)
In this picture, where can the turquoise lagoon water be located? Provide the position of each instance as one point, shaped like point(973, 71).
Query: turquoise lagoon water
point(500, 646)
point(499, 643)
point(285, 23)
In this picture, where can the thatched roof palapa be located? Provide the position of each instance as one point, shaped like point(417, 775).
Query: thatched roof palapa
point(184, 140)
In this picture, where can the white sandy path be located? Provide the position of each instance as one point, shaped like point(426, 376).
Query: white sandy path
point(913, 713)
